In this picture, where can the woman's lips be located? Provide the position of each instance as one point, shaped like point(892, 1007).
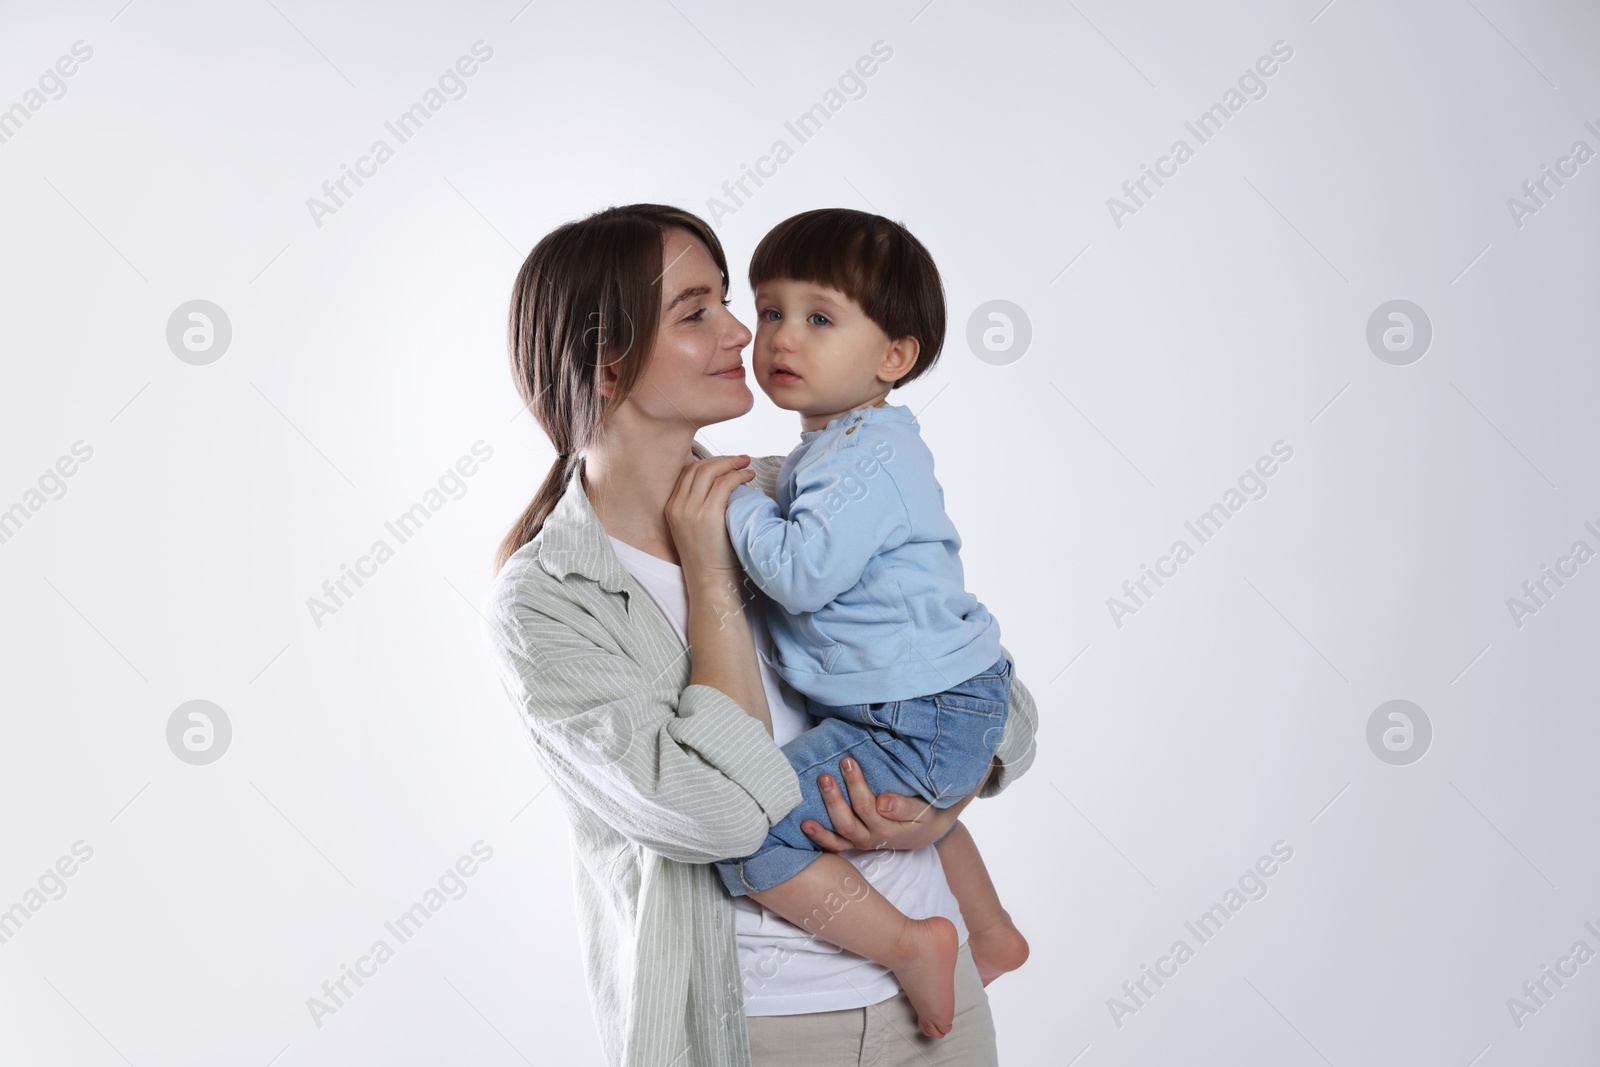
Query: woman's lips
point(731, 372)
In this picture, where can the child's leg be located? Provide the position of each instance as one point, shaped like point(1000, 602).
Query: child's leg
point(831, 900)
point(997, 945)
point(826, 895)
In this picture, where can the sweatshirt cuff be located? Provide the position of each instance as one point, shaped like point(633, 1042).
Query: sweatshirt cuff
point(728, 737)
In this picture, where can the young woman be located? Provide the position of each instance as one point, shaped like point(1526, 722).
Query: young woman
point(627, 636)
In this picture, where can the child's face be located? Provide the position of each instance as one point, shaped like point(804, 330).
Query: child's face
point(818, 353)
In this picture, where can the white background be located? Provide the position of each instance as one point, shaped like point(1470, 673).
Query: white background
point(1167, 354)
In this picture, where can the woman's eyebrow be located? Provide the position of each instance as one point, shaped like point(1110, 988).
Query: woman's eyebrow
point(687, 294)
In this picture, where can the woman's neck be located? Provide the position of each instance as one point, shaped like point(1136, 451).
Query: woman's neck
point(629, 482)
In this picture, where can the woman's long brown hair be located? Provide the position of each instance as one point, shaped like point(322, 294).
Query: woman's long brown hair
point(587, 296)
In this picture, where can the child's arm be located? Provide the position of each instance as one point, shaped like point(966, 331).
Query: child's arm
point(845, 510)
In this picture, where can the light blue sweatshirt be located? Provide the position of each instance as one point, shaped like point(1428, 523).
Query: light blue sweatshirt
point(862, 566)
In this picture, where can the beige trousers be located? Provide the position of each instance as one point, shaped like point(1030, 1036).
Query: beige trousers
point(884, 1034)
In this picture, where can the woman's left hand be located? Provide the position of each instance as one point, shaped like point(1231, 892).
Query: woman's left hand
point(888, 821)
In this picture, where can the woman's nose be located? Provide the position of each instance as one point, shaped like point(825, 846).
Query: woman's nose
point(740, 335)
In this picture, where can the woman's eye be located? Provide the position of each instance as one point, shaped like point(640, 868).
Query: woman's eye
point(697, 316)
point(815, 316)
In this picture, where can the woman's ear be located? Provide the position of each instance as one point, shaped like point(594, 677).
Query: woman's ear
point(899, 358)
point(607, 383)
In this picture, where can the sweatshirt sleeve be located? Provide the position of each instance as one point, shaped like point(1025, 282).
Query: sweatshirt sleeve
point(847, 507)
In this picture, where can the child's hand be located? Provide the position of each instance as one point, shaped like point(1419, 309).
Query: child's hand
point(867, 821)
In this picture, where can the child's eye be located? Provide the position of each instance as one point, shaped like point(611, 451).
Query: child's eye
point(815, 315)
point(770, 314)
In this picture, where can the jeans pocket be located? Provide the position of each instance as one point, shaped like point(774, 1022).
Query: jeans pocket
point(1000, 672)
point(969, 729)
point(977, 699)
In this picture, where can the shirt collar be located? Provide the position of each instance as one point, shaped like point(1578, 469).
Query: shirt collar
point(572, 541)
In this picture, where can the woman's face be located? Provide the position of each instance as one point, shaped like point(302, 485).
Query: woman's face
point(695, 374)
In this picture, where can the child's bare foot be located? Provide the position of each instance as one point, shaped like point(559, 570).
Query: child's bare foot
point(997, 948)
point(928, 974)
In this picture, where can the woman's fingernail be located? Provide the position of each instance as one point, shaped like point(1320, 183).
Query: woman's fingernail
point(849, 764)
point(827, 785)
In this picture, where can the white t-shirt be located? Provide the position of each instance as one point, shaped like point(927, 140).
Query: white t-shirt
point(786, 970)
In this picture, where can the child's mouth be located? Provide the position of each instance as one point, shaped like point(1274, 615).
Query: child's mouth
point(783, 377)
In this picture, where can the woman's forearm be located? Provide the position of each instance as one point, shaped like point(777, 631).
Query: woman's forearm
point(722, 653)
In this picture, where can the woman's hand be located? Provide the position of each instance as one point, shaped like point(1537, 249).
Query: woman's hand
point(889, 821)
point(697, 512)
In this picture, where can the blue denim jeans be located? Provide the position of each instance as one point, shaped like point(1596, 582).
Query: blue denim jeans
point(937, 747)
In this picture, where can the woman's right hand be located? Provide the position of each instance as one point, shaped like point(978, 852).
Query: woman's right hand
point(891, 821)
point(697, 515)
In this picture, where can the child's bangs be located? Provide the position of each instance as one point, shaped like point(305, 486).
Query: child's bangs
point(831, 251)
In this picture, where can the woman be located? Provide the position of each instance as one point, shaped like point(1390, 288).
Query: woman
point(643, 693)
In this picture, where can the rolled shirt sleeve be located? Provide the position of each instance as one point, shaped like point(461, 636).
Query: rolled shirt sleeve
point(685, 772)
point(1017, 746)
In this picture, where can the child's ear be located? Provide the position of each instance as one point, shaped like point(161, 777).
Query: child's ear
point(899, 358)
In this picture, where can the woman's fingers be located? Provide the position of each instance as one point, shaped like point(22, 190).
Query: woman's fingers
point(726, 483)
point(701, 493)
point(824, 837)
point(705, 473)
point(724, 479)
point(843, 817)
point(697, 474)
point(862, 799)
point(899, 807)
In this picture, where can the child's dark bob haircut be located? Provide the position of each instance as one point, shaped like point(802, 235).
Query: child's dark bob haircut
point(872, 260)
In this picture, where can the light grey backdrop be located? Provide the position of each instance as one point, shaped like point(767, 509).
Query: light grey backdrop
point(1156, 344)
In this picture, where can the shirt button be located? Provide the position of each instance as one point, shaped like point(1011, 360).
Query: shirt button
point(851, 430)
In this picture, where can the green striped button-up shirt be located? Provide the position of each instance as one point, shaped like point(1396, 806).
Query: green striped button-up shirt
point(658, 778)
